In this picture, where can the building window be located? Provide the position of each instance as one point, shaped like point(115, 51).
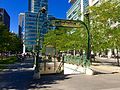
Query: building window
point(69, 16)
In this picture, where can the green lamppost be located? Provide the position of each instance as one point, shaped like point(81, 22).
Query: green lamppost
point(88, 37)
point(37, 66)
point(88, 32)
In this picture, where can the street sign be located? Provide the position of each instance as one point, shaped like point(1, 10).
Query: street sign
point(66, 23)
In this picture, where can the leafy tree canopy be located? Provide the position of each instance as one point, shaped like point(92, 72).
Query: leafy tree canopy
point(105, 30)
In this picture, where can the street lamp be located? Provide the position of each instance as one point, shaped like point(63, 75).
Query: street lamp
point(88, 35)
point(37, 69)
point(88, 32)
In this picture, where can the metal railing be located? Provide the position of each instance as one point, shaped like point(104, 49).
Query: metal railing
point(78, 60)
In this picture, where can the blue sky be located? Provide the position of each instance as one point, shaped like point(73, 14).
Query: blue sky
point(56, 8)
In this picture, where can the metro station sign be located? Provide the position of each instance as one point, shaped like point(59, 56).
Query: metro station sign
point(66, 23)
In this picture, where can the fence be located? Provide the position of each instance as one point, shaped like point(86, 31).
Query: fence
point(78, 60)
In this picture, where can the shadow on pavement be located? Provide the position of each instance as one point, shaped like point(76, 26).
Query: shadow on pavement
point(46, 81)
point(23, 80)
point(17, 80)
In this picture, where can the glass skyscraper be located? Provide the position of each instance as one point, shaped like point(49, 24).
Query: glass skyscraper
point(21, 25)
point(30, 23)
point(34, 5)
point(77, 10)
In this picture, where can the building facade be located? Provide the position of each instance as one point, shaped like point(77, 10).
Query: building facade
point(31, 28)
point(77, 9)
point(34, 5)
point(94, 2)
point(30, 24)
point(4, 18)
point(21, 25)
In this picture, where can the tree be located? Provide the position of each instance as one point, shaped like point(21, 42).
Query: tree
point(105, 36)
point(4, 37)
point(15, 44)
point(66, 39)
point(8, 41)
point(105, 30)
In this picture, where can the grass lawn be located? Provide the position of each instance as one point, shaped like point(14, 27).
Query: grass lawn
point(8, 60)
point(2, 67)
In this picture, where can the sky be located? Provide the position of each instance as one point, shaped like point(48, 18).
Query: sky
point(57, 8)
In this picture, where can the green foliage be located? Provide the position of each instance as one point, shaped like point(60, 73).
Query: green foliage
point(8, 60)
point(2, 67)
point(103, 18)
point(8, 41)
point(15, 44)
point(66, 38)
point(4, 37)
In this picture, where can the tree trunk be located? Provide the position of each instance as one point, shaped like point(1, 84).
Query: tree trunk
point(117, 57)
point(2, 55)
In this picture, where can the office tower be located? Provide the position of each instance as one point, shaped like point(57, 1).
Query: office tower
point(21, 25)
point(29, 5)
point(4, 18)
point(34, 5)
point(30, 23)
point(77, 10)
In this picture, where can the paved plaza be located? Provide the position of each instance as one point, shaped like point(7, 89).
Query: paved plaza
point(22, 79)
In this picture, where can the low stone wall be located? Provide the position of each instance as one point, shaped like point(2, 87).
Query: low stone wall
point(74, 69)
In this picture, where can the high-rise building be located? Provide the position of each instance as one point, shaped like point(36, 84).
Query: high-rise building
point(4, 18)
point(30, 23)
point(34, 5)
point(77, 9)
point(30, 30)
point(21, 25)
point(29, 5)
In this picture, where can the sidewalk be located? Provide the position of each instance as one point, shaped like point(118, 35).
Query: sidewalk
point(106, 65)
point(23, 80)
point(101, 66)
